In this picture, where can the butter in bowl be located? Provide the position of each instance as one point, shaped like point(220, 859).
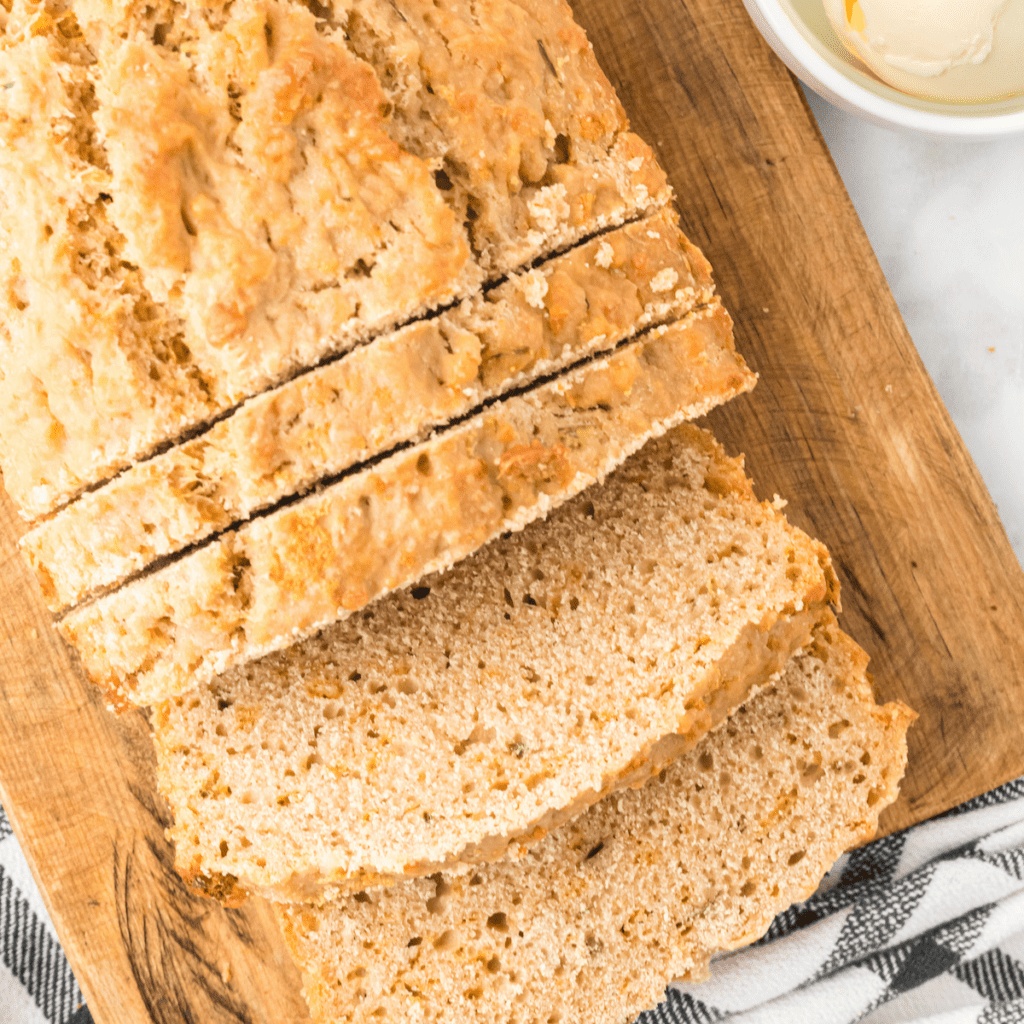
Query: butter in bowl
point(948, 50)
point(941, 67)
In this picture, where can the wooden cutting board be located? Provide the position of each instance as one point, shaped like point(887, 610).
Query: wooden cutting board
point(845, 423)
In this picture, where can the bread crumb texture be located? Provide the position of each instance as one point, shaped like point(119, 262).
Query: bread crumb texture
point(393, 390)
point(643, 888)
point(201, 199)
point(283, 576)
point(491, 703)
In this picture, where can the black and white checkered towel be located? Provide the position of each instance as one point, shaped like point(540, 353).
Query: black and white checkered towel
point(36, 984)
point(925, 926)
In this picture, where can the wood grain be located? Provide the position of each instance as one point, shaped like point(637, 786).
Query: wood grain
point(844, 423)
point(78, 785)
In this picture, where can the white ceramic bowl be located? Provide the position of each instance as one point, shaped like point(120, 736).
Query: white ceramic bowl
point(800, 33)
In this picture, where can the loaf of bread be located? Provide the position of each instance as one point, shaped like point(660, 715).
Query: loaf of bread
point(643, 888)
point(291, 324)
point(488, 705)
point(201, 199)
point(285, 575)
point(392, 390)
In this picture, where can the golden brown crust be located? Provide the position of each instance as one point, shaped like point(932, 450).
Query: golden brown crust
point(216, 886)
point(260, 587)
point(238, 189)
point(395, 389)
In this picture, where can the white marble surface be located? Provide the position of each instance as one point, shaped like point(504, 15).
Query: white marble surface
point(946, 220)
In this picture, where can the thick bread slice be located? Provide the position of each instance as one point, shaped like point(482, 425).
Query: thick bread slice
point(491, 703)
point(280, 577)
point(395, 389)
point(641, 889)
point(201, 199)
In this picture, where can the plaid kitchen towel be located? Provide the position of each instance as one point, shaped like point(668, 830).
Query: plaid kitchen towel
point(36, 984)
point(924, 926)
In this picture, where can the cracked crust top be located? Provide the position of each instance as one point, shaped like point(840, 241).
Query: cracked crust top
point(203, 198)
point(395, 389)
point(279, 577)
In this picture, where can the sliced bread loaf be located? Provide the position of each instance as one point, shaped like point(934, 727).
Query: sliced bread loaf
point(286, 574)
point(593, 922)
point(202, 199)
point(392, 390)
point(488, 705)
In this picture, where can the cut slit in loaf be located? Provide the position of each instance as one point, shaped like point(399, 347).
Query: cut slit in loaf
point(239, 189)
point(643, 888)
point(392, 390)
point(457, 722)
point(278, 578)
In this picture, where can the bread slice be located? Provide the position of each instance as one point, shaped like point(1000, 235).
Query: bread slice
point(202, 199)
point(488, 705)
point(283, 576)
point(641, 889)
point(395, 389)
